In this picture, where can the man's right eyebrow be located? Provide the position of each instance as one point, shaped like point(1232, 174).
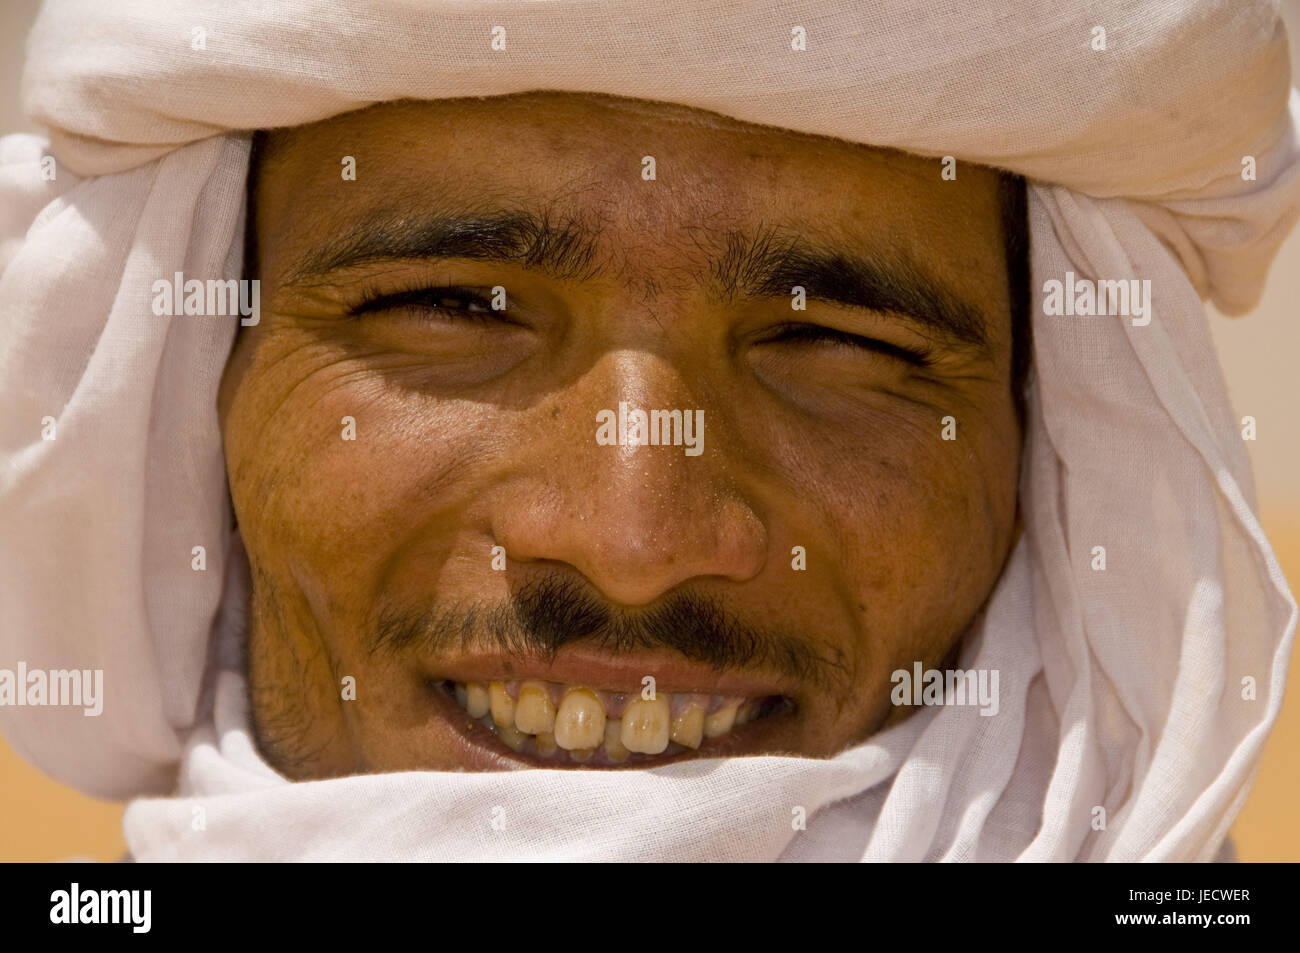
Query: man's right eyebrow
point(563, 248)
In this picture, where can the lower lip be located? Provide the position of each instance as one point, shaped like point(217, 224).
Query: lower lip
point(485, 751)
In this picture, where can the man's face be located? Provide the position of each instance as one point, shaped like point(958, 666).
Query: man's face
point(469, 551)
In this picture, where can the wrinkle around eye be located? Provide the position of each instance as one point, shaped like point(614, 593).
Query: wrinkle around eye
point(312, 377)
point(424, 355)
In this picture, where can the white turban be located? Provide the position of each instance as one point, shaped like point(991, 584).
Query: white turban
point(1123, 690)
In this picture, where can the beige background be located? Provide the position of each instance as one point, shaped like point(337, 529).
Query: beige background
point(42, 820)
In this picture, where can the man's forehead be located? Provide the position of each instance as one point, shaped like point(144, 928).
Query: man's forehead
point(605, 152)
point(611, 166)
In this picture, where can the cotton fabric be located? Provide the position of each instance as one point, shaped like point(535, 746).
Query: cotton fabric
point(1120, 690)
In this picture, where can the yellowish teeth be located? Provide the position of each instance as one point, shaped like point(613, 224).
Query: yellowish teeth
point(534, 713)
point(646, 725)
point(513, 737)
point(477, 701)
point(580, 722)
point(720, 721)
point(688, 727)
point(502, 705)
point(614, 749)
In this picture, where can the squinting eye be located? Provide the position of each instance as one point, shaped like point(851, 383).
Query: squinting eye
point(452, 301)
point(819, 334)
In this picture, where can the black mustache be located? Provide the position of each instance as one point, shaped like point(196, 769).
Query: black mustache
point(555, 610)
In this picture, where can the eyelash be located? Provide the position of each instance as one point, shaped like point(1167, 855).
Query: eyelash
point(427, 298)
point(819, 333)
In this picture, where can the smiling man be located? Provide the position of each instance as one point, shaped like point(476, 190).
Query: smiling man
point(635, 446)
point(824, 306)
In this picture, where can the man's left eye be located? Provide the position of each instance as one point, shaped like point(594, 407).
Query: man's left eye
point(797, 333)
point(451, 301)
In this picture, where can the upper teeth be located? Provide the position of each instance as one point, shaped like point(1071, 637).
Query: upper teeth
point(611, 726)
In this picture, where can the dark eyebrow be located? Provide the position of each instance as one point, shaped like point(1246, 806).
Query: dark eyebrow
point(563, 248)
point(770, 264)
point(764, 264)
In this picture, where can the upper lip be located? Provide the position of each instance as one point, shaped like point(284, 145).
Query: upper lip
point(578, 665)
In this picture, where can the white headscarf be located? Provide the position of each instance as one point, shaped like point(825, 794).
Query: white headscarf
point(1120, 690)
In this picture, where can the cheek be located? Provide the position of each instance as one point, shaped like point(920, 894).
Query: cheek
point(919, 525)
point(333, 462)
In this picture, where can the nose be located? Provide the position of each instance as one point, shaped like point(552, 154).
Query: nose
point(635, 519)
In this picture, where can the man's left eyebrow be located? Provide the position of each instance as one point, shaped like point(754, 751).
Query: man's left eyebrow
point(562, 247)
point(770, 264)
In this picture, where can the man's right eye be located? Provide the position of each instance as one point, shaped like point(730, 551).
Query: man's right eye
point(449, 303)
